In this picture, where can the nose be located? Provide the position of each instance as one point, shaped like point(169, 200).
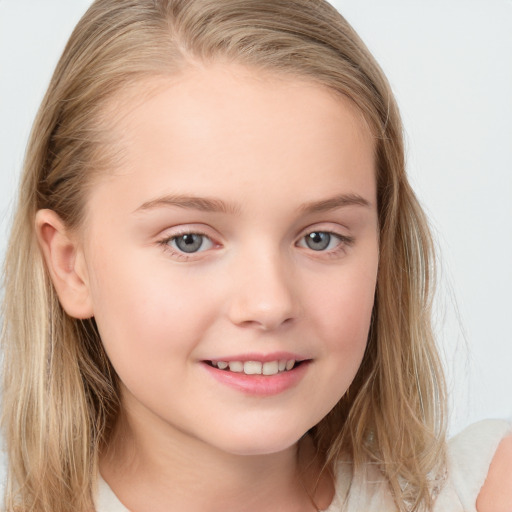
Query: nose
point(263, 293)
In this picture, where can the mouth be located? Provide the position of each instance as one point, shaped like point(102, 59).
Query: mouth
point(267, 368)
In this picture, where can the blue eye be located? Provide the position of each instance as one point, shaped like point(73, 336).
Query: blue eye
point(190, 243)
point(320, 241)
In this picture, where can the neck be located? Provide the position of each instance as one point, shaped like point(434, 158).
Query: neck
point(149, 469)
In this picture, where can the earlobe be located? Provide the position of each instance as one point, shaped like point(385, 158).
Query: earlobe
point(64, 260)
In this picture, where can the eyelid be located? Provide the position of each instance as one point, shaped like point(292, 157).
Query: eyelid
point(345, 241)
point(342, 238)
point(173, 233)
point(332, 228)
point(174, 243)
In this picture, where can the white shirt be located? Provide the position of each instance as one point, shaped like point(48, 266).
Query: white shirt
point(469, 456)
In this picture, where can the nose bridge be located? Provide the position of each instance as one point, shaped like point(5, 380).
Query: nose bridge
point(263, 293)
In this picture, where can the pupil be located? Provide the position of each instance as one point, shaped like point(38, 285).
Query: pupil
point(318, 240)
point(189, 243)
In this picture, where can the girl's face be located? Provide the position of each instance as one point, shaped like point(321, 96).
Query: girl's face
point(239, 236)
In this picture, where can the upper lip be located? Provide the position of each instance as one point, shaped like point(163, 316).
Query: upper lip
point(274, 356)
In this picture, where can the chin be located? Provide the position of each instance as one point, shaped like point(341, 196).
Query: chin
point(261, 441)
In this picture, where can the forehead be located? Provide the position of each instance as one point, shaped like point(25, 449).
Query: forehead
point(227, 124)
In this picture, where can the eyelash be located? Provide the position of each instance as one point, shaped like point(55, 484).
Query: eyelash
point(344, 242)
point(165, 244)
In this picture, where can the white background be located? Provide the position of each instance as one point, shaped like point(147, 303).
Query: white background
point(450, 65)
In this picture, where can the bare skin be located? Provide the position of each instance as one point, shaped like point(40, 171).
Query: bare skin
point(275, 179)
point(269, 148)
point(496, 493)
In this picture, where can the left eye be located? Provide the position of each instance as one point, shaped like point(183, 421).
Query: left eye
point(320, 241)
point(190, 243)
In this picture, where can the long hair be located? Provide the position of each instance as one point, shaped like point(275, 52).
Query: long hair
point(60, 392)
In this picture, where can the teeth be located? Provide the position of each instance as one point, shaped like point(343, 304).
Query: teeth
point(252, 367)
point(236, 366)
point(256, 367)
point(270, 368)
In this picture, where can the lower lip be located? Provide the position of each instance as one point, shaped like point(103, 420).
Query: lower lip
point(259, 385)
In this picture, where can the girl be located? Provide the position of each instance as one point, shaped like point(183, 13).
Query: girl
point(218, 284)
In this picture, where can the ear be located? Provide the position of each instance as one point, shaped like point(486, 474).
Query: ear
point(66, 264)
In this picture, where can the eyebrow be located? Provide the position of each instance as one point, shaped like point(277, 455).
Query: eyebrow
point(335, 202)
point(207, 204)
point(204, 204)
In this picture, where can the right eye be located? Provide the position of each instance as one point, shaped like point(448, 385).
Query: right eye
point(189, 243)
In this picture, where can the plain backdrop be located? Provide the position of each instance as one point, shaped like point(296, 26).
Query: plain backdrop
point(450, 65)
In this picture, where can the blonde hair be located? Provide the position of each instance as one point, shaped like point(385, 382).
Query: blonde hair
point(60, 392)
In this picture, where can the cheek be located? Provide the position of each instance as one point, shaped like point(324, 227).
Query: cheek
point(341, 316)
point(147, 311)
point(350, 310)
point(344, 308)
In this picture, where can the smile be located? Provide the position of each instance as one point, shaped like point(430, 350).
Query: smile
point(259, 375)
point(256, 367)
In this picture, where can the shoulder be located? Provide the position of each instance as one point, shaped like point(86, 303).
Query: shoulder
point(470, 456)
point(496, 493)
